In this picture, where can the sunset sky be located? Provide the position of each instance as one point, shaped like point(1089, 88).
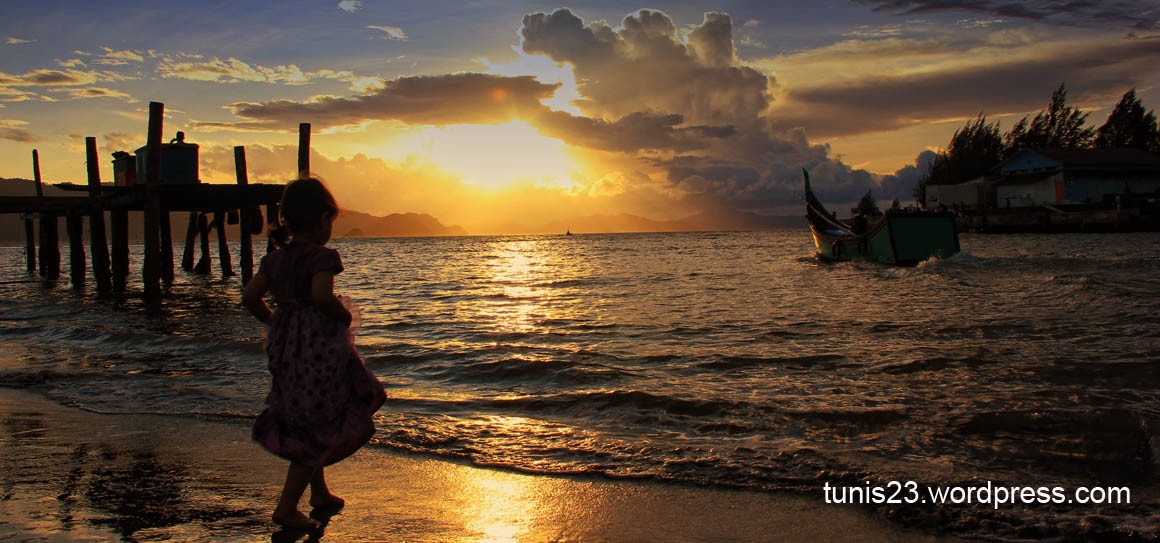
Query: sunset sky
point(489, 114)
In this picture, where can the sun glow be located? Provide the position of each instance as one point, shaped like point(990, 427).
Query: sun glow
point(491, 156)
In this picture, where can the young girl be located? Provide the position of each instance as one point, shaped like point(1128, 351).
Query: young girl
point(322, 395)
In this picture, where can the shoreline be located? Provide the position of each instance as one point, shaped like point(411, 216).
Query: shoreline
point(75, 476)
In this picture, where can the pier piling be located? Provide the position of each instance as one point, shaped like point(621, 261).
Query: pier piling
point(219, 221)
point(190, 240)
point(119, 232)
point(97, 241)
point(76, 249)
point(30, 243)
point(49, 230)
point(151, 266)
point(203, 226)
point(247, 219)
point(304, 150)
point(272, 222)
point(166, 247)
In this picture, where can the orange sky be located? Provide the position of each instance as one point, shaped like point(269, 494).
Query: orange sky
point(495, 115)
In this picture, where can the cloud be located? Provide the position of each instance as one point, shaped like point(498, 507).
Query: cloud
point(1138, 14)
point(111, 57)
point(16, 41)
point(14, 95)
point(391, 32)
point(633, 132)
point(350, 6)
point(699, 110)
point(97, 92)
point(906, 82)
point(23, 87)
point(53, 78)
point(107, 57)
point(465, 98)
point(647, 64)
point(231, 70)
point(14, 130)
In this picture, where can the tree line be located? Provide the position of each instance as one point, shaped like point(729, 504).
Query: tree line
point(979, 146)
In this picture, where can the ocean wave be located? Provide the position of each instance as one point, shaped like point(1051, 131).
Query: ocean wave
point(736, 362)
point(528, 371)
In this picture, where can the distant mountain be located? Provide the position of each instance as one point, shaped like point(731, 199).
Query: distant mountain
point(354, 224)
point(349, 224)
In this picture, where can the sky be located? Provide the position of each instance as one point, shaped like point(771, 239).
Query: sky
point(500, 115)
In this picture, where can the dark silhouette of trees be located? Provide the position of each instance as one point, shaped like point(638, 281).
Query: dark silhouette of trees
point(973, 150)
point(978, 147)
point(1059, 126)
point(1129, 125)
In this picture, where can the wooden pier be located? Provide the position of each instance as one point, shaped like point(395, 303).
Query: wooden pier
point(210, 207)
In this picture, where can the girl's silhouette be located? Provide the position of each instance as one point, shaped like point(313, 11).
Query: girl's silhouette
point(322, 395)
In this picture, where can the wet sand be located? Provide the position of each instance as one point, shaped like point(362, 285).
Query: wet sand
point(71, 476)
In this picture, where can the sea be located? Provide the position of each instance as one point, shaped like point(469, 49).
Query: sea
point(733, 359)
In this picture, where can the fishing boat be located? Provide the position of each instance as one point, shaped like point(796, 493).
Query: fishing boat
point(897, 237)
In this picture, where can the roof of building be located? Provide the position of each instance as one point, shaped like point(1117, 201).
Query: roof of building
point(1101, 158)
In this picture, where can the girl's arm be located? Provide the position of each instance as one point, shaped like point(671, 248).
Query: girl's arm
point(254, 297)
point(322, 291)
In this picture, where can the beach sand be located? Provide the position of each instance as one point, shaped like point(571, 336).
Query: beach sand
point(70, 475)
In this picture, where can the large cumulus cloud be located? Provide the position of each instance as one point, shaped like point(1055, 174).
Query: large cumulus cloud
point(649, 66)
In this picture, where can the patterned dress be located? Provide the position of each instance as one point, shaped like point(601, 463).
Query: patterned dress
point(322, 395)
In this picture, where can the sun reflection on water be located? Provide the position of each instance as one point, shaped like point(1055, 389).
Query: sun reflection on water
point(518, 275)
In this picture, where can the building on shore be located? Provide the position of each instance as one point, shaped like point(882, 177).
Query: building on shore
point(1059, 190)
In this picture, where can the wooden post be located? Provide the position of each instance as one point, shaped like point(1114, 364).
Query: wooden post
point(219, 221)
point(303, 150)
point(273, 221)
point(246, 218)
point(50, 246)
point(76, 249)
point(36, 173)
point(30, 244)
point(97, 241)
point(119, 232)
point(166, 247)
point(203, 227)
point(49, 230)
point(151, 267)
point(190, 240)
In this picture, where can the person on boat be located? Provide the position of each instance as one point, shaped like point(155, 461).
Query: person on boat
point(860, 224)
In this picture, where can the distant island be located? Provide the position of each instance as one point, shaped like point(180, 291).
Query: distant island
point(357, 224)
point(349, 223)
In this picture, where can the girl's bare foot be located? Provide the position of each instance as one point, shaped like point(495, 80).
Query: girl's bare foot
point(329, 502)
point(295, 521)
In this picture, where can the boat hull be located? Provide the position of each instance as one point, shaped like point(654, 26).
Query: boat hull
point(899, 238)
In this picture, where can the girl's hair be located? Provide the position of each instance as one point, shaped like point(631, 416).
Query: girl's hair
point(305, 204)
